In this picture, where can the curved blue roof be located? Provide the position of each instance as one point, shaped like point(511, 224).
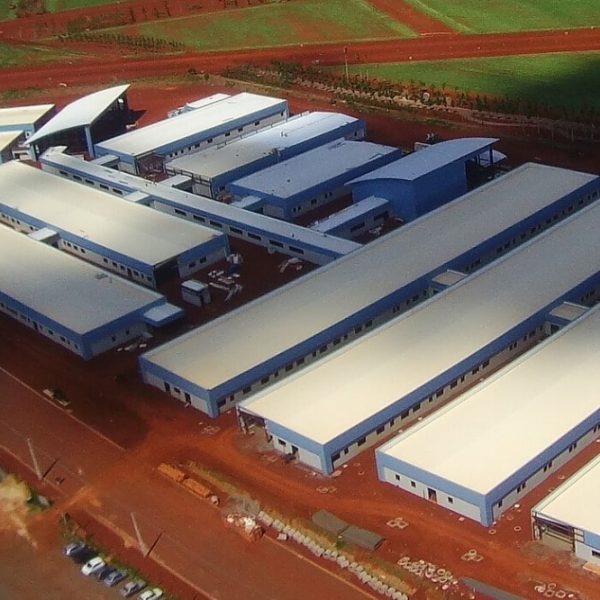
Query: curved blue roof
point(429, 159)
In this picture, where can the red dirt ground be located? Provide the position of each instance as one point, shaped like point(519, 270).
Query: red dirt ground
point(104, 69)
point(417, 21)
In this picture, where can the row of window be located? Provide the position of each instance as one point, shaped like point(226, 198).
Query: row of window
point(197, 145)
point(102, 186)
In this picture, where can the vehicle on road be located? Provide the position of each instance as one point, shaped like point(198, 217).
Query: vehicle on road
point(153, 594)
point(115, 577)
point(91, 566)
point(132, 587)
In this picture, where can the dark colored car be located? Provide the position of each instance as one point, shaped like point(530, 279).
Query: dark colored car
point(103, 573)
point(115, 577)
point(79, 552)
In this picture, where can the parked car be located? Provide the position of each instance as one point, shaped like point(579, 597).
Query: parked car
point(73, 548)
point(115, 577)
point(153, 594)
point(132, 587)
point(93, 565)
point(102, 574)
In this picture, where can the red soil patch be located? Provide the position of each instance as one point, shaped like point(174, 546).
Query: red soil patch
point(417, 21)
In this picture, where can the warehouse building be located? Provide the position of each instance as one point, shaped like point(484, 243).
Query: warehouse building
point(82, 123)
point(194, 104)
point(76, 305)
point(292, 326)
point(134, 241)
point(145, 150)
point(273, 234)
point(568, 518)
point(424, 180)
point(508, 434)
point(317, 177)
point(331, 411)
point(10, 144)
point(25, 118)
point(212, 169)
point(355, 219)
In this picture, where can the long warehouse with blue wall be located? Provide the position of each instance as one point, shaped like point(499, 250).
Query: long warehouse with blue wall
point(134, 241)
point(490, 466)
point(145, 150)
point(212, 169)
point(293, 326)
point(333, 410)
point(311, 179)
point(76, 305)
point(272, 234)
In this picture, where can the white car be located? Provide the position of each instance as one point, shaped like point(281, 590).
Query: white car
point(153, 594)
point(93, 565)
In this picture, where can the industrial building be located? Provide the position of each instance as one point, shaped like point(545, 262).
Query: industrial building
point(84, 309)
point(424, 180)
point(292, 326)
point(134, 241)
point(339, 406)
point(16, 125)
point(487, 449)
point(568, 518)
point(145, 150)
point(270, 233)
point(27, 119)
point(316, 177)
point(10, 143)
point(83, 122)
point(211, 170)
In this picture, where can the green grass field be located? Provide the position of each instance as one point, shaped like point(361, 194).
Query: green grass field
point(6, 13)
point(53, 6)
point(571, 80)
point(273, 25)
point(487, 16)
point(11, 56)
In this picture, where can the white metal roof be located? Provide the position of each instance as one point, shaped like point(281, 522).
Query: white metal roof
point(256, 332)
point(194, 104)
point(472, 441)
point(311, 168)
point(83, 111)
point(23, 115)
point(56, 158)
point(8, 137)
point(248, 149)
point(576, 501)
point(168, 131)
point(67, 290)
point(425, 161)
point(355, 383)
point(125, 227)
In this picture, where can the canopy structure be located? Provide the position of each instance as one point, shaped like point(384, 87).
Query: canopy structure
point(81, 114)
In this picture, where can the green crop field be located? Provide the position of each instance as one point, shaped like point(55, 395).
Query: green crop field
point(272, 25)
point(487, 16)
point(53, 6)
point(571, 80)
point(12, 56)
point(6, 12)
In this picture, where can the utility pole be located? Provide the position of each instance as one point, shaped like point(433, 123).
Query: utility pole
point(36, 465)
point(346, 61)
point(142, 544)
